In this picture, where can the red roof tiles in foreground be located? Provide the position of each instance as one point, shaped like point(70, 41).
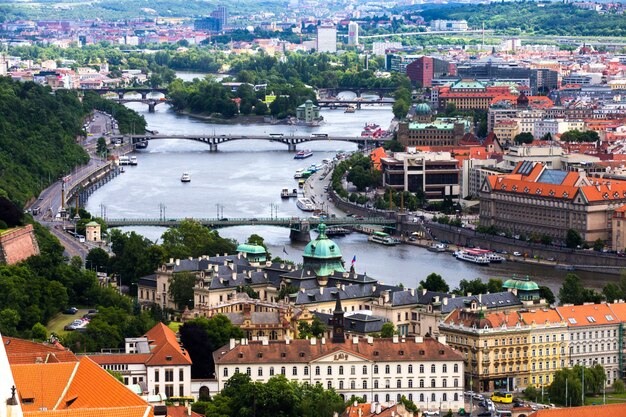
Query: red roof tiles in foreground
point(609, 410)
point(24, 351)
point(78, 389)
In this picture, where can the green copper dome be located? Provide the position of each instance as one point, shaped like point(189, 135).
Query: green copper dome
point(422, 109)
point(524, 284)
point(322, 247)
point(252, 249)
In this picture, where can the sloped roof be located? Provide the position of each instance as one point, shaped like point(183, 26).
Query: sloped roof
point(588, 315)
point(20, 351)
point(75, 389)
point(608, 410)
point(165, 348)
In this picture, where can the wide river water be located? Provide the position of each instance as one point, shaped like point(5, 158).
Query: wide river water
point(244, 179)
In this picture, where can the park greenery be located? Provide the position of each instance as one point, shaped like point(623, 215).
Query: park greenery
point(533, 18)
point(567, 385)
point(39, 135)
point(277, 397)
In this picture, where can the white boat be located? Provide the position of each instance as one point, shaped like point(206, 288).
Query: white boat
point(383, 238)
point(124, 160)
point(133, 160)
point(298, 173)
point(437, 247)
point(185, 177)
point(471, 256)
point(305, 204)
point(495, 258)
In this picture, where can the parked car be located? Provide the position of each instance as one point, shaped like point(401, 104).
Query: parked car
point(430, 413)
point(484, 414)
point(70, 310)
point(516, 253)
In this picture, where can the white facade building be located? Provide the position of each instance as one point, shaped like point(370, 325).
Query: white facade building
point(380, 48)
point(326, 39)
point(353, 33)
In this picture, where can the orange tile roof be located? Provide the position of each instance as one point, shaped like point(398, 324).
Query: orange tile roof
point(26, 351)
point(165, 348)
point(74, 389)
point(619, 308)
point(111, 359)
point(180, 411)
point(541, 316)
point(609, 410)
point(588, 315)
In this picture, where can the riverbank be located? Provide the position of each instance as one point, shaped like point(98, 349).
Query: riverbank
point(239, 120)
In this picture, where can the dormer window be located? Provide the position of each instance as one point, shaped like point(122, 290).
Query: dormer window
point(551, 193)
point(605, 196)
point(168, 358)
point(526, 189)
point(538, 192)
point(615, 194)
point(565, 194)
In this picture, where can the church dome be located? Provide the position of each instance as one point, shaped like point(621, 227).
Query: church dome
point(523, 284)
point(422, 109)
point(321, 248)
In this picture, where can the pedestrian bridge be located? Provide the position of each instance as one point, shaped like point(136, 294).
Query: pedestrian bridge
point(213, 140)
point(291, 222)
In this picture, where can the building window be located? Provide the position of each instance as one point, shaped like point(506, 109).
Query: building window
point(410, 383)
point(169, 375)
point(294, 371)
point(387, 397)
point(387, 384)
point(445, 383)
point(226, 372)
point(421, 398)
point(353, 370)
point(341, 384)
point(169, 391)
point(376, 384)
point(260, 371)
point(306, 370)
point(399, 383)
point(387, 369)
point(432, 397)
point(317, 370)
point(456, 397)
point(444, 368)
point(364, 369)
point(340, 369)
point(421, 369)
point(282, 370)
point(399, 369)
point(445, 397)
point(456, 382)
point(432, 369)
point(181, 390)
point(156, 375)
point(352, 384)
point(410, 369)
point(236, 370)
point(365, 384)
point(248, 371)
point(329, 370)
point(421, 383)
point(329, 384)
point(375, 369)
point(432, 383)
point(271, 371)
point(181, 374)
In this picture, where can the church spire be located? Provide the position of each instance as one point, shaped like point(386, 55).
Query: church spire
point(337, 322)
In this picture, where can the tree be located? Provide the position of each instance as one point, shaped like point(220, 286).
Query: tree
point(495, 285)
point(202, 336)
point(97, 259)
point(573, 239)
point(546, 294)
point(574, 292)
point(618, 387)
point(10, 214)
point(400, 108)
point(101, 146)
point(434, 282)
point(388, 330)
point(314, 329)
point(9, 319)
point(475, 286)
point(524, 137)
point(39, 332)
point(190, 238)
point(181, 289)
point(598, 245)
point(547, 136)
point(286, 290)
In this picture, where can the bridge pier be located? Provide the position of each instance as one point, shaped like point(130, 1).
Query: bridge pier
point(300, 232)
point(212, 147)
point(120, 95)
point(291, 146)
point(151, 107)
point(144, 95)
point(358, 106)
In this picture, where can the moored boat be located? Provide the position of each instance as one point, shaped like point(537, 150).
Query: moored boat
point(469, 255)
point(133, 160)
point(285, 193)
point(437, 247)
point(305, 204)
point(383, 238)
point(185, 177)
point(350, 109)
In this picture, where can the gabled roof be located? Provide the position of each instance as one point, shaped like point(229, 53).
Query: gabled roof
point(588, 315)
point(165, 348)
point(75, 389)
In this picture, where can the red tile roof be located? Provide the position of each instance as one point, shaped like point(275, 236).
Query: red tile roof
point(609, 410)
point(302, 351)
point(112, 359)
point(75, 389)
point(588, 315)
point(180, 411)
point(20, 351)
point(165, 348)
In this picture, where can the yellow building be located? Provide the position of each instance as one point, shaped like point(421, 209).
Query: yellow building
point(547, 345)
point(506, 130)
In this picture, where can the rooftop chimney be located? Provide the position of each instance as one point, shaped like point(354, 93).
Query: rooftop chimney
point(313, 340)
point(232, 344)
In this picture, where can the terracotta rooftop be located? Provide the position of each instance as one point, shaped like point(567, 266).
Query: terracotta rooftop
point(609, 410)
point(588, 315)
point(20, 351)
point(75, 389)
point(302, 351)
point(165, 348)
point(112, 359)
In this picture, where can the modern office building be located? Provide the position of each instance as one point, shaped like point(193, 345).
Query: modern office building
point(208, 24)
point(327, 38)
point(423, 69)
point(221, 13)
point(353, 33)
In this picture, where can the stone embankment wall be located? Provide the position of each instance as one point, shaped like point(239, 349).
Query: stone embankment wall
point(18, 244)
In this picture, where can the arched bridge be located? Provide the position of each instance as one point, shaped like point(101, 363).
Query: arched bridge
point(299, 227)
point(334, 103)
point(121, 92)
point(214, 140)
point(359, 91)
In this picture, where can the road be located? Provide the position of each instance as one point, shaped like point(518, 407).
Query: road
point(49, 201)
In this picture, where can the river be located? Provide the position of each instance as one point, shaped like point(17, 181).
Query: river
point(244, 179)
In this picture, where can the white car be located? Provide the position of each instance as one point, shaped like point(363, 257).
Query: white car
point(517, 253)
point(430, 413)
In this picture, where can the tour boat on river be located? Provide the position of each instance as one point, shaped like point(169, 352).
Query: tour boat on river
point(185, 177)
point(305, 204)
point(383, 238)
point(303, 154)
point(469, 255)
point(285, 193)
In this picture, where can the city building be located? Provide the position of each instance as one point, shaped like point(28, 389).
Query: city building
point(353, 33)
point(469, 94)
point(434, 173)
point(423, 69)
point(506, 130)
point(208, 24)
point(618, 227)
point(537, 200)
point(594, 337)
point(221, 14)
point(326, 38)
point(155, 363)
point(308, 112)
point(449, 25)
point(381, 48)
point(425, 370)
point(92, 231)
point(443, 131)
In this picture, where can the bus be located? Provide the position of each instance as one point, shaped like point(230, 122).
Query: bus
point(319, 135)
point(276, 135)
point(502, 397)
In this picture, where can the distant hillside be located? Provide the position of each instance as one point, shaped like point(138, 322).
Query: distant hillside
point(533, 18)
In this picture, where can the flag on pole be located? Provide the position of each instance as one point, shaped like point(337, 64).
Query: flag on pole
point(354, 260)
point(285, 251)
